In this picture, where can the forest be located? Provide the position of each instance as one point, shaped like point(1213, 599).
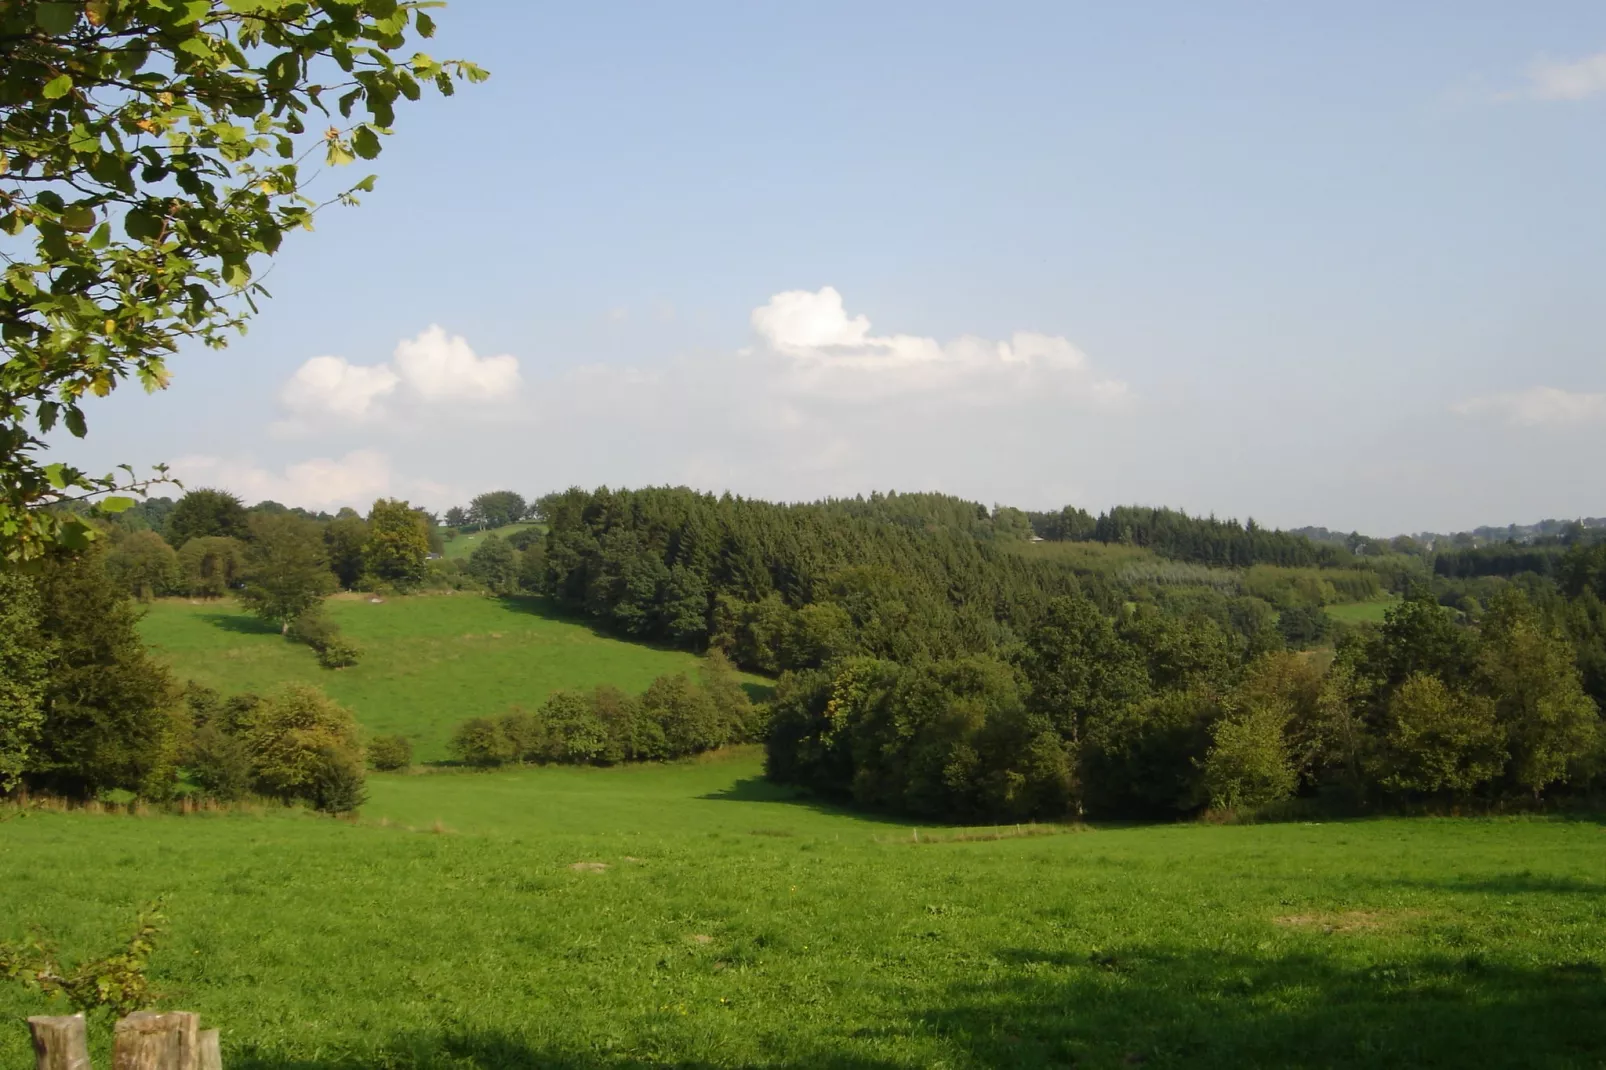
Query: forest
point(932, 656)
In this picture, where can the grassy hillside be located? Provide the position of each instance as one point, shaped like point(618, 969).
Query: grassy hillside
point(429, 662)
point(464, 545)
point(717, 922)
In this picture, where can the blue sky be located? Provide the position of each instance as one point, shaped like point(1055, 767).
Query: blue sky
point(1339, 267)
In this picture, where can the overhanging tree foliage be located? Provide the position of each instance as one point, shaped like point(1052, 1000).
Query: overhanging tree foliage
point(152, 150)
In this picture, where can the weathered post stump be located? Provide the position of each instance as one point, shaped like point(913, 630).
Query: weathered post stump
point(150, 1041)
point(60, 1042)
point(142, 1041)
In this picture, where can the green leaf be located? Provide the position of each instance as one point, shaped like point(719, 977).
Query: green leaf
point(426, 25)
point(142, 225)
point(59, 86)
point(337, 153)
point(237, 275)
point(56, 18)
point(75, 423)
point(78, 218)
point(82, 140)
point(76, 535)
point(102, 237)
point(366, 142)
point(115, 504)
point(367, 184)
point(56, 475)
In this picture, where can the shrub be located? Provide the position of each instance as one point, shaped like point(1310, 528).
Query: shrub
point(304, 746)
point(526, 736)
point(387, 753)
point(339, 653)
point(690, 720)
point(335, 651)
point(479, 741)
point(337, 785)
point(574, 732)
point(313, 629)
point(219, 763)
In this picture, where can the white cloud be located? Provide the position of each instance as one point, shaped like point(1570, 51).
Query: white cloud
point(833, 353)
point(1550, 79)
point(321, 483)
point(433, 369)
point(440, 367)
point(335, 386)
point(1540, 406)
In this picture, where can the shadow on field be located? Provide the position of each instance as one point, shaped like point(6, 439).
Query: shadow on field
point(757, 789)
point(1503, 884)
point(495, 1051)
point(1121, 1007)
point(240, 623)
point(1139, 1006)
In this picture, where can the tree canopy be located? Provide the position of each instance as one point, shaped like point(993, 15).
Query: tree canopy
point(154, 153)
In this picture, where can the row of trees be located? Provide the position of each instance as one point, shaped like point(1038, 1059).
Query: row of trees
point(210, 543)
point(675, 717)
point(1148, 716)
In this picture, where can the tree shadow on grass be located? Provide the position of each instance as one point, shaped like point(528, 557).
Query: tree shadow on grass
point(240, 623)
point(1142, 1006)
point(1504, 884)
point(508, 1051)
point(759, 789)
point(1126, 1006)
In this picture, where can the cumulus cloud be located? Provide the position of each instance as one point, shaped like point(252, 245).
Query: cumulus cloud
point(1540, 406)
point(434, 369)
point(436, 366)
point(321, 483)
point(338, 387)
point(821, 404)
point(832, 352)
point(1550, 79)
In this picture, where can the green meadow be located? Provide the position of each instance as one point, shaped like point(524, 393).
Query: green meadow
point(693, 915)
point(429, 662)
point(463, 545)
point(1362, 612)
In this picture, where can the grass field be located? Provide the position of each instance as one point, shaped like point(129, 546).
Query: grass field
point(464, 545)
point(721, 923)
point(1361, 612)
point(428, 663)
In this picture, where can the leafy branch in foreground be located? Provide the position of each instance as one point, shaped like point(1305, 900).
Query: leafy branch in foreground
point(116, 982)
point(149, 151)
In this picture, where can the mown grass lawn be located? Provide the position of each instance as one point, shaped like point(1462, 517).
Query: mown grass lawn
point(429, 662)
point(716, 921)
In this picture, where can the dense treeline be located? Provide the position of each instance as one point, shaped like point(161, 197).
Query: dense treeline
point(1143, 715)
point(674, 718)
point(1200, 540)
point(794, 586)
point(1505, 559)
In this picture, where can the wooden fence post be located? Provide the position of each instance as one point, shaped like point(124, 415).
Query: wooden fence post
point(149, 1041)
point(211, 1051)
point(60, 1042)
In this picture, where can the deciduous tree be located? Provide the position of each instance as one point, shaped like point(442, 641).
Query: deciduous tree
point(286, 570)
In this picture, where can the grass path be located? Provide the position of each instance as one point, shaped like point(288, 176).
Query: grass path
point(716, 921)
point(429, 662)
